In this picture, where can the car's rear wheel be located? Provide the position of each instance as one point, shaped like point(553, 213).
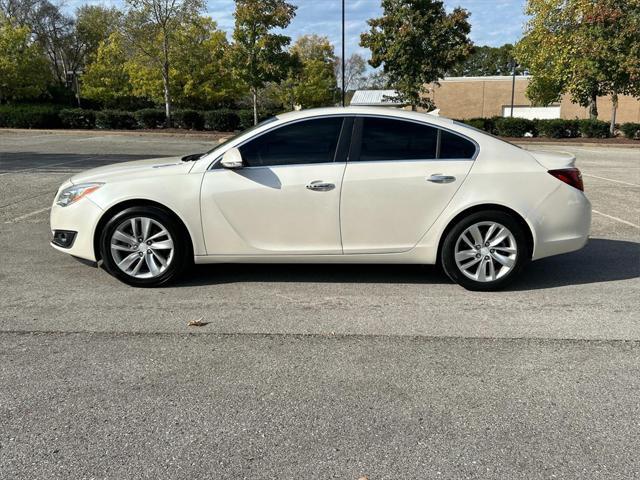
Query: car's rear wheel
point(485, 251)
point(144, 246)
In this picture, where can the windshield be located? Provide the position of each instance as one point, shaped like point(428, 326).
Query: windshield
point(244, 132)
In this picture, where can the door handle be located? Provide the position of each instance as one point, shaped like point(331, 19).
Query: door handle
point(320, 186)
point(440, 178)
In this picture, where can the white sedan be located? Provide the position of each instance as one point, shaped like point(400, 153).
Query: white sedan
point(335, 185)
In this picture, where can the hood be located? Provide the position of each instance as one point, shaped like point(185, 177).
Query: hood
point(554, 160)
point(152, 166)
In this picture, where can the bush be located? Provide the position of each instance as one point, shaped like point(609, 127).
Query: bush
point(29, 116)
point(77, 118)
point(116, 119)
point(594, 129)
point(558, 128)
point(631, 130)
point(514, 127)
point(246, 119)
point(150, 118)
point(189, 119)
point(221, 120)
point(486, 124)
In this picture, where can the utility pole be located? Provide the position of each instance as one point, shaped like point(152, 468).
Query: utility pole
point(343, 61)
point(513, 83)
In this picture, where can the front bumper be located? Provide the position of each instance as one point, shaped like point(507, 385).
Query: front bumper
point(81, 217)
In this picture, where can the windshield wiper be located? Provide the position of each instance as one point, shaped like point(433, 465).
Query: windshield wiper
point(193, 157)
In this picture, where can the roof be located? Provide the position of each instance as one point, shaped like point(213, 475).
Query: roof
point(375, 98)
point(365, 110)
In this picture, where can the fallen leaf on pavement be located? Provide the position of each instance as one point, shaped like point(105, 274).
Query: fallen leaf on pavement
point(197, 323)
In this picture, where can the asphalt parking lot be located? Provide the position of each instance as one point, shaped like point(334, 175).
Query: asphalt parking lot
point(335, 372)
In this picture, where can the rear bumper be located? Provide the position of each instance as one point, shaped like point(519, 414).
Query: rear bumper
point(81, 217)
point(561, 222)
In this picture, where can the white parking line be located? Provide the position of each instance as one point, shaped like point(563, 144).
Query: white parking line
point(616, 219)
point(27, 215)
point(611, 180)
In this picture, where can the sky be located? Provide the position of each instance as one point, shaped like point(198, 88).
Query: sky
point(493, 22)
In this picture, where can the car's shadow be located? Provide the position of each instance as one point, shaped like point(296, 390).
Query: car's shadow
point(601, 260)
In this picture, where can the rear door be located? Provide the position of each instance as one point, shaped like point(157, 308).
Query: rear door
point(399, 178)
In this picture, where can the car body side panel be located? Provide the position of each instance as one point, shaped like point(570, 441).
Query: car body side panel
point(179, 193)
point(557, 214)
point(270, 210)
point(387, 206)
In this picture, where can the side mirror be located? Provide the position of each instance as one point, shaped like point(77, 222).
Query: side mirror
point(232, 159)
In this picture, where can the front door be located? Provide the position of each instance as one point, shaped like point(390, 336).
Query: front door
point(285, 201)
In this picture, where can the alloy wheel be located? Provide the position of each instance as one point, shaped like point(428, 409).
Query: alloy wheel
point(141, 247)
point(486, 251)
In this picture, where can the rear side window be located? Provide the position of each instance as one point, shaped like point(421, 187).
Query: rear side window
point(308, 141)
point(389, 139)
point(455, 146)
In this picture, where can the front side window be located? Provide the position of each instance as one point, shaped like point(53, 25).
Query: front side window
point(389, 139)
point(307, 141)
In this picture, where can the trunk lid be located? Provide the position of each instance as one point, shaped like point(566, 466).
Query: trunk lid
point(554, 160)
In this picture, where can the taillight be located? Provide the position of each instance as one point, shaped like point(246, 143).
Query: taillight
point(570, 176)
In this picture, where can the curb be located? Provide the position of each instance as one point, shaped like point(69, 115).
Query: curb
point(130, 133)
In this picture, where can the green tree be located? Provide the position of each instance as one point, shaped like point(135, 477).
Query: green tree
point(312, 79)
point(151, 27)
point(67, 41)
point(199, 72)
point(106, 79)
point(95, 24)
point(584, 48)
point(202, 65)
point(417, 42)
point(486, 61)
point(258, 55)
point(23, 65)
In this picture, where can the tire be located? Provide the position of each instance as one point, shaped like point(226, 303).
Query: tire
point(130, 255)
point(485, 251)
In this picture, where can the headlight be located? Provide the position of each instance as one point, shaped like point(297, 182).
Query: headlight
point(75, 192)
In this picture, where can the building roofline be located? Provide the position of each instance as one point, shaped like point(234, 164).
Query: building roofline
point(493, 78)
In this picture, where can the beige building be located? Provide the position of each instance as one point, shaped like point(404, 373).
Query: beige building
point(469, 97)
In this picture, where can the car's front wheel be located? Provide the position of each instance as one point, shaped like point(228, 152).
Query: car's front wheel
point(144, 246)
point(485, 251)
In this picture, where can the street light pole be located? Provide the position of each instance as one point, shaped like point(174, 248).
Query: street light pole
point(513, 83)
point(343, 61)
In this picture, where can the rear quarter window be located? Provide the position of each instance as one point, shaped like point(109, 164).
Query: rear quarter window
point(455, 146)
